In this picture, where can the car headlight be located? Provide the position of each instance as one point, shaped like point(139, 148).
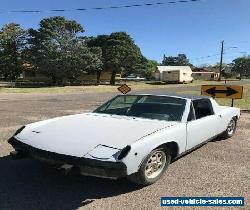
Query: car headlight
point(103, 152)
point(124, 152)
point(19, 130)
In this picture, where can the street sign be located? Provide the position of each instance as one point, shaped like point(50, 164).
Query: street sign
point(124, 89)
point(222, 91)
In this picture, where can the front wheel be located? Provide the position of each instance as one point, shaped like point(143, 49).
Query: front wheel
point(152, 168)
point(231, 128)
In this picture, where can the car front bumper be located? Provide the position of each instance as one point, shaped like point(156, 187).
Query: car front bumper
point(91, 167)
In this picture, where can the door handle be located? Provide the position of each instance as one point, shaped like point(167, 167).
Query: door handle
point(220, 115)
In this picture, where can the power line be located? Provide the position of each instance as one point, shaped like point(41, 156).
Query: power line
point(214, 56)
point(102, 8)
point(205, 57)
point(226, 58)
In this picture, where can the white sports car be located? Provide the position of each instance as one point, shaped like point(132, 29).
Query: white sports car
point(134, 136)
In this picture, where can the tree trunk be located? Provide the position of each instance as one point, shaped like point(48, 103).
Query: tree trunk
point(61, 82)
point(98, 76)
point(54, 80)
point(112, 80)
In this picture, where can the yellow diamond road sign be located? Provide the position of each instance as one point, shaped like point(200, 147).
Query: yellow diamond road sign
point(222, 91)
point(124, 89)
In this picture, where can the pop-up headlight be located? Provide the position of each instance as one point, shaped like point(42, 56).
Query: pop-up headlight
point(19, 130)
point(124, 152)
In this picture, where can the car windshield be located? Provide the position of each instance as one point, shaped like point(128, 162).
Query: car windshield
point(145, 106)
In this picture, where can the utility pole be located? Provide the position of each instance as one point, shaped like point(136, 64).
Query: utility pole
point(221, 59)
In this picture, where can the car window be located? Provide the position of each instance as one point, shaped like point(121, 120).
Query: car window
point(161, 100)
point(118, 105)
point(160, 111)
point(191, 115)
point(202, 108)
point(122, 102)
point(145, 106)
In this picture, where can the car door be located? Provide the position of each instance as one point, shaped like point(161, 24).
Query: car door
point(202, 123)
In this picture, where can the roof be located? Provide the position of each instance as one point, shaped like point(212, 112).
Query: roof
point(173, 68)
point(200, 69)
point(204, 72)
point(164, 93)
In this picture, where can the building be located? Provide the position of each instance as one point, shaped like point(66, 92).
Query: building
point(205, 74)
point(174, 74)
point(29, 74)
point(84, 78)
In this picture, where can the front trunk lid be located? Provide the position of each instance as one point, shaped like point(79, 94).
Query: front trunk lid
point(76, 135)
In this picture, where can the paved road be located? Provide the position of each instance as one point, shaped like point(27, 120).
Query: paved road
point(219, 168)
point(17, 109)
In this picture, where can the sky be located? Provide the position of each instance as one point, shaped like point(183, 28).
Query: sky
point(194, 28)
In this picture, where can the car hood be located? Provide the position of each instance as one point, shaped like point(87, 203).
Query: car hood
point(76, 135)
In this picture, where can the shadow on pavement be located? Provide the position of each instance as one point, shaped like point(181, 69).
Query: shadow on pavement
point(27, 184)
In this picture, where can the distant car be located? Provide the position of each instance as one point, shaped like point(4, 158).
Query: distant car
point(238, 76)
point(134, 78)
point(133, 136)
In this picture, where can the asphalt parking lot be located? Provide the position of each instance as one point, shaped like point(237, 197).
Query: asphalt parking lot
point(219, 168)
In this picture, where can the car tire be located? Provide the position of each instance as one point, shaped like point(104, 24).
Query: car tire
point(152, 167)
point(231, 128)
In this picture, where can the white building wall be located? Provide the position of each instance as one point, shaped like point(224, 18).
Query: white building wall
point(174, 74)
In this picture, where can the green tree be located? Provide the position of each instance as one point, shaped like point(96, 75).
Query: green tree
point(94, 62)
point(217, 66)
point(225, 71)
point(241, 65)
point(146, 68)
point(58, 50)
point(119, 53)
point(180, 60)
point(12, 45)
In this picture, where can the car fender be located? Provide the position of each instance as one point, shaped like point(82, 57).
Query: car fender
point(226, 114)
point(141, 148)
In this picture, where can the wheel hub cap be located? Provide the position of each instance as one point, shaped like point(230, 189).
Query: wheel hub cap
point(155, 164)
point(231, 127)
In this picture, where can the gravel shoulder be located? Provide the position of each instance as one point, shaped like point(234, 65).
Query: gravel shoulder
point(219, 168)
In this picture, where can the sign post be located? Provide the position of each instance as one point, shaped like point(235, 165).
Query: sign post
point(223, 91)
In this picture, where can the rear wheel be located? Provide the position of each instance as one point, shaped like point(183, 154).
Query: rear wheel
point(229, 132)
point(152, 168)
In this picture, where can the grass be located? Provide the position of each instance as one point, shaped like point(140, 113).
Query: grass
point(242, 103)
point(99, 88)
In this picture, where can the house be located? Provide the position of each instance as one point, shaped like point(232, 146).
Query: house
point(29, 74)
point(205, 74)
point(174, 74)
